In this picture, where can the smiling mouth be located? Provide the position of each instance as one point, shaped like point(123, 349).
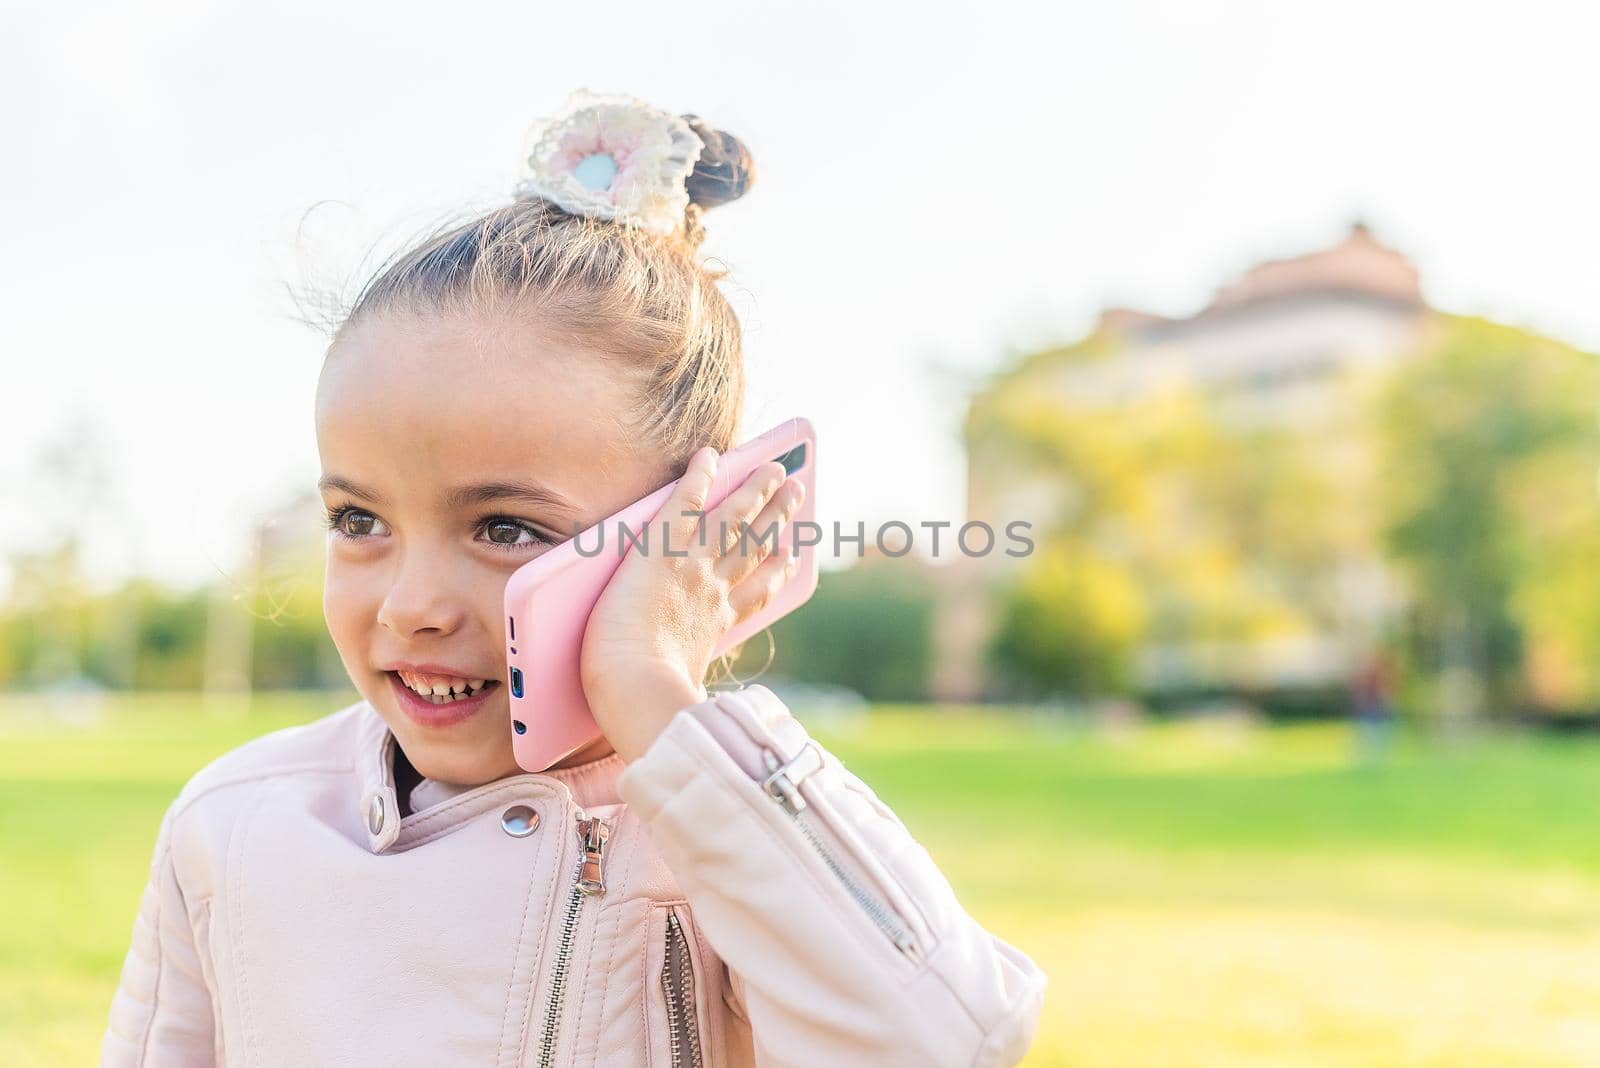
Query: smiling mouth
point(466, 693)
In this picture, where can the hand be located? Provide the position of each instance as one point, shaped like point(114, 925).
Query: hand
point(651, 636)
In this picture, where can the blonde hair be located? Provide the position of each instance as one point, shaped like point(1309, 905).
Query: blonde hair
point(647, 299)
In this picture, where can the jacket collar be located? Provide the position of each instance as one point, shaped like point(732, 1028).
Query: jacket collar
point(589, 785)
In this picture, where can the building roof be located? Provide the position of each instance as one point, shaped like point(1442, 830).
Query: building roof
point(1358, 264)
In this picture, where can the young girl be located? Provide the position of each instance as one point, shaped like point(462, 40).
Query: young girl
point(706, 885)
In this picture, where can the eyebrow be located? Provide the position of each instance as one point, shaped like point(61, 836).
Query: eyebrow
point(468, 495)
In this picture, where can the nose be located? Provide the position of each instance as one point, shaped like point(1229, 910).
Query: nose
point(421, 598)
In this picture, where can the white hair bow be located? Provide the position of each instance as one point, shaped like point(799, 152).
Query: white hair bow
point(614, 157)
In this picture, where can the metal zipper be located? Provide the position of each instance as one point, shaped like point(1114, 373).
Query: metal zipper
point(786, 791)
point(587, 881)
point(677, 982)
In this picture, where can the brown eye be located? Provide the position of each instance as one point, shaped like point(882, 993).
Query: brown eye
point(338, 523)
point(504, 532)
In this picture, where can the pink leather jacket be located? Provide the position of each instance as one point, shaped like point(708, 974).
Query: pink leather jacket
point(735, 896)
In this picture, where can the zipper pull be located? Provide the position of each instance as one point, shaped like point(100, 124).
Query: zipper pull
point(593, 832)
point(783, 781)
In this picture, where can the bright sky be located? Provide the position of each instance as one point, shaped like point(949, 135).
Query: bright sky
point(939, 186)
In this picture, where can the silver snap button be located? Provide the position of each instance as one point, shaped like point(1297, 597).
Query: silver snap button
point(375, 814)
point(519, 821)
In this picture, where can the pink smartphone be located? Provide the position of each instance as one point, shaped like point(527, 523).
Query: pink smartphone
point(548, 599)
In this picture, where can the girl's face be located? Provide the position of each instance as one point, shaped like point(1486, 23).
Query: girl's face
point(454, 452)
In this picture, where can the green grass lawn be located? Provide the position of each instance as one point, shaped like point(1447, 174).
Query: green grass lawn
point(1200, 893)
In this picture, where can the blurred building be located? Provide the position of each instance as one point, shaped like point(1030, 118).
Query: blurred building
point(1271, 346)
point(1272, 340)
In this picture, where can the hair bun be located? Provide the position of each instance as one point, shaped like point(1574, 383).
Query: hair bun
point(724, 171)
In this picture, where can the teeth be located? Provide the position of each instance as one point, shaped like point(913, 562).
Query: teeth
point(435, 686)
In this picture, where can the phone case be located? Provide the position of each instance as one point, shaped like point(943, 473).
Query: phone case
point(548, 600)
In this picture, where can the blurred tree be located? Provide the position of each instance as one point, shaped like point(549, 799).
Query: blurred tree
point(292, 647)
point(1491, 440)
point(145, 635)
point(48, 594)
point(867, 627)
point(1180, 528)
point(172, 633)
point(48, 584)
point(1070, 624)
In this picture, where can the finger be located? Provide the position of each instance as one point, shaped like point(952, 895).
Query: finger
point(758, 590)
point(742, 505)
point(763, 534)
point(687, 503)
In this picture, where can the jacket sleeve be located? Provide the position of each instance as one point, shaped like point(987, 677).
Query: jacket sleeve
point(162, 1011)
point(847, 942)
